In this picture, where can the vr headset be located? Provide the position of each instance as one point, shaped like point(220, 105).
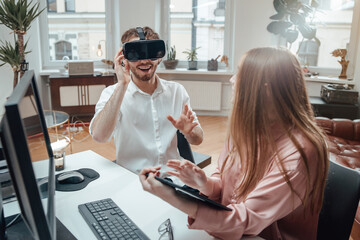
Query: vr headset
point(143, 49)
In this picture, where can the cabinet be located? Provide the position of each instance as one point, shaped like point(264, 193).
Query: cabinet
point(77, 95)
point(334, 110)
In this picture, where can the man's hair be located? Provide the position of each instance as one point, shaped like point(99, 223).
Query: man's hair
point(132, 32)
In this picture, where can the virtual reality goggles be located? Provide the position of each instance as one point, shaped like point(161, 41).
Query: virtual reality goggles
point(144, 49)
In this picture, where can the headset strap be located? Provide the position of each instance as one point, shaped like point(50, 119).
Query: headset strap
point(141, 33)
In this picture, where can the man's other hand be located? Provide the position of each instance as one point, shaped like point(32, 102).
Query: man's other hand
point(185, 122)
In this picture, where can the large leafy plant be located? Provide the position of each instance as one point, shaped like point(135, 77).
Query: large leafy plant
point(17, 16)
point(293, 17)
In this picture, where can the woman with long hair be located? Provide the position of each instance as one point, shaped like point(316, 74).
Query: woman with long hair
point(273, 167)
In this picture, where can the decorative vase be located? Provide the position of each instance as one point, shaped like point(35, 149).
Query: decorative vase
point(192, 65)
point(170, 64)
point(212, 65)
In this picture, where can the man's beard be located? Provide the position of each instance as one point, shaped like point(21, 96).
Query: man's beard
point(145, 77)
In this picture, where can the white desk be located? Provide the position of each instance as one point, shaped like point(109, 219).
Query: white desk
point(124, 188)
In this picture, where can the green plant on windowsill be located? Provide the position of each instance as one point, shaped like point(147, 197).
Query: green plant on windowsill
point(171, 62)
point(192, 58)
point(17, 16)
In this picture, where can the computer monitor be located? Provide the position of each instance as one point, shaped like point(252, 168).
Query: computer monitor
point(22, 123)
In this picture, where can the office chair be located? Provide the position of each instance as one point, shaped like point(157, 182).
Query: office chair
point(341, 199)
point(184, 147)
point(202, 160)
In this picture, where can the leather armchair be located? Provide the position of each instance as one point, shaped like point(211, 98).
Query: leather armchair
point(344, 148)
point(343, 140)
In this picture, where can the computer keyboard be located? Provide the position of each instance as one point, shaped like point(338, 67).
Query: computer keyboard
point(108, 221)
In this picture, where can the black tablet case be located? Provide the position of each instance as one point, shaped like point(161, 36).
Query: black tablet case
point(193, 194)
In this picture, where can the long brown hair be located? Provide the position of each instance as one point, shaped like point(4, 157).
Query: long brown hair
point(272, 75)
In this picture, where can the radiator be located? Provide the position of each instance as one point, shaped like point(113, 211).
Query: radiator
point(203, 95)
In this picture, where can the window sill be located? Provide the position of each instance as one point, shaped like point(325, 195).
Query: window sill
point(195, 72)
point(221, 72)
point(323, 79)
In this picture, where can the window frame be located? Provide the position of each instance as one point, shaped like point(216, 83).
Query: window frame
point(352, 47)
point(48, 64)
point(228, 36)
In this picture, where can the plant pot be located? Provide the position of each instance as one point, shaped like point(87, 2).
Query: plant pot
point(192, 65)
point(212, 65)
point(170, 64)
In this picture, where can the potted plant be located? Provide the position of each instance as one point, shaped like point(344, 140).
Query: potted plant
point(10, 55)
point(171, 62)
point(18, 16)
point(192, 58)
point(292, 17)
point(213, 64)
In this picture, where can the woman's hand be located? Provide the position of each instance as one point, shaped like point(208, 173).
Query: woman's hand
point(189, 173)
point(122, 68)
point(166, 193)
point(150, 184)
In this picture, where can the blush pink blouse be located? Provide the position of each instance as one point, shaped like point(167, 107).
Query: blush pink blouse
point(271, 210)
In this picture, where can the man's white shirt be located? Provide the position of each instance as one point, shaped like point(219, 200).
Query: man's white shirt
point(143, 136)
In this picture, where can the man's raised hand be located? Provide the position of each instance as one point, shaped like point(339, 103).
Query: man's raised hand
point(185, 122)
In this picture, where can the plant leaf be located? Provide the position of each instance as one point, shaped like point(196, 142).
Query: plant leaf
point(278, 27)
point(10, 54)
point(278, 16)
point(307, 31)
point(279, 6)
point(291, 35)
point(19, 15)
point(297, 19)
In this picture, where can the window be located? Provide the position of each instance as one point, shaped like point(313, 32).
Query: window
point(73, 31)
point(70, 5)
point(51, 5)
point(63, 50)
point(333, 21)
point(197, 24)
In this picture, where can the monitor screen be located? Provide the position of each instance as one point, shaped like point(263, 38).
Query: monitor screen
point(29, 155)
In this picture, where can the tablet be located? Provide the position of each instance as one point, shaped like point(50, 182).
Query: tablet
point(192, 193)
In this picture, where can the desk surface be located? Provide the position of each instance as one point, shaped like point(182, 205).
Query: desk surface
point(124, 187)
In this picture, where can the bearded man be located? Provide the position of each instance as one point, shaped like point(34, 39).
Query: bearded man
point(143, 112)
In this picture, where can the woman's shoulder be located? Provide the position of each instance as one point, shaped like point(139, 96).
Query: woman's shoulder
point(292, 149)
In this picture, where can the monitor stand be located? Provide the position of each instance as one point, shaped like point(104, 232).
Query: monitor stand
point(19, 231)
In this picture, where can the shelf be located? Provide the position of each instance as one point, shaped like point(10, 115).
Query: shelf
point(324, 79)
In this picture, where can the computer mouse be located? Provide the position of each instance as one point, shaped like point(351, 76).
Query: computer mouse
point(71, 177)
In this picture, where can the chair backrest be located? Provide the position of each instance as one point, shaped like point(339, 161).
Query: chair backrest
point(341, 199)
point(184, 147)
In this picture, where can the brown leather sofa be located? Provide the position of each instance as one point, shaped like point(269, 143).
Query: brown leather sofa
point(344, 147)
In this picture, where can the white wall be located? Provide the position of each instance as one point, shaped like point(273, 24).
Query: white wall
point(249, 31)
point(139, 13)
point(250, 21)
point(6, 73)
